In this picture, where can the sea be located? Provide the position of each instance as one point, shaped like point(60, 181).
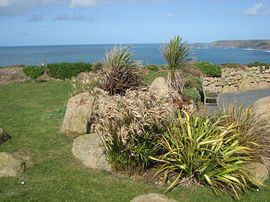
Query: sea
point(146, 53)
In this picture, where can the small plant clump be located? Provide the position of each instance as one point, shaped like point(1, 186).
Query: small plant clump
point(211, 70)
point(152, 67)
point(33, 71)
point(259, 64)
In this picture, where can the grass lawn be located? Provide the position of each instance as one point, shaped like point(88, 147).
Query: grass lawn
point(29, 112)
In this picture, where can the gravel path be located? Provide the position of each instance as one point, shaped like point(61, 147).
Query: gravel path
point(246, 98)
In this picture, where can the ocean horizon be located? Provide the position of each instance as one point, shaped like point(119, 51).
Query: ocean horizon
point(146, 53)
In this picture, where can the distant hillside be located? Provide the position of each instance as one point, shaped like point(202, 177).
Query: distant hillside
point(254, 44)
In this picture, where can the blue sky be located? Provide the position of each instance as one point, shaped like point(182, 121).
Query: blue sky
point(46, 22)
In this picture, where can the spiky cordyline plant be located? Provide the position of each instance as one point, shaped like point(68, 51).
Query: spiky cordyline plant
point(204, 151)
point(121, 71)
point(176, 53)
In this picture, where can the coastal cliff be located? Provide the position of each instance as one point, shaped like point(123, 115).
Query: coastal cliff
point(253, 44)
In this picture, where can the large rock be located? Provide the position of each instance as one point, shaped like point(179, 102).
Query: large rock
point(153, 197)
point(87, 148)
point(78, 112)
point(259, 172)
point(261, 108)
point(10, 166)
point(160, 87)
point(3, 136)
point(12, 74)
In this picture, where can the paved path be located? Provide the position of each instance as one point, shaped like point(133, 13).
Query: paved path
point(245, 98)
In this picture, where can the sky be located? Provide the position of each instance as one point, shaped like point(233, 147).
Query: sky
point(57, 22)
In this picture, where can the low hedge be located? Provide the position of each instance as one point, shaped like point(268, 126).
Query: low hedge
point(211, 70)
point(33, 71)
point(152, 67)
point(259, 64)
point(67, 70)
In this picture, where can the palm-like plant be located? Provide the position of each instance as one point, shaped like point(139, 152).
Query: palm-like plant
point(176, 53)
point(120, 71)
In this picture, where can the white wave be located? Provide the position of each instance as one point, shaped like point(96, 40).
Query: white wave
point(249, 49)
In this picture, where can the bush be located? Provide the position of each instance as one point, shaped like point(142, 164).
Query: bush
point(67, 70)
point(131, 126)
point(152, 68)
point(198, 149)
point(193, 82)
point(192, 94)
point(259, 64)
point(33, 71)
point(211, 70)
point(120, 72)
point(251, 129)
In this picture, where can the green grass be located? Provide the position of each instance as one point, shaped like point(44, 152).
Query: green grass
point(32, 114)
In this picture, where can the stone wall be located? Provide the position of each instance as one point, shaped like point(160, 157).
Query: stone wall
point(233, 80)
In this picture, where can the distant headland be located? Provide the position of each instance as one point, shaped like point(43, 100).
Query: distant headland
point(252, 44)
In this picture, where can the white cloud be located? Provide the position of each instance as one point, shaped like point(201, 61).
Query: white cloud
point(170, 15)
point(15, 7)
point(254, 10)
point(83, 3)
point(72, 17)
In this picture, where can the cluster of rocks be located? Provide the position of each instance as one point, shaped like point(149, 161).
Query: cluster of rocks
point(233, 80)
point(77, 123)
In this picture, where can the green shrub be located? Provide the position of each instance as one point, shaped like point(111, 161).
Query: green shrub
point(193, 82)
point(192, 94)
point(33, 71)
point(211, 70)
point(67, 70)
point(152, 67)
point(198, 149)
point(120, 71)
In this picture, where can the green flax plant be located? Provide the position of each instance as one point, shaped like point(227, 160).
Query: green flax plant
point(204, 151)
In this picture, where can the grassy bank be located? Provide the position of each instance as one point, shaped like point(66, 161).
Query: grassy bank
point(29, 112)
